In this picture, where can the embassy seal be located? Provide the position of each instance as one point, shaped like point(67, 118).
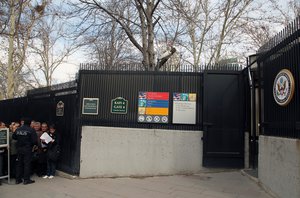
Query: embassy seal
point(283, 87)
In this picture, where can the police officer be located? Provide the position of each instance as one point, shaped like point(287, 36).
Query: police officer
point(26, 138)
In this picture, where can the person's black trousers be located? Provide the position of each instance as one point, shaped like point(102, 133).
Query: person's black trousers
point(23, 165)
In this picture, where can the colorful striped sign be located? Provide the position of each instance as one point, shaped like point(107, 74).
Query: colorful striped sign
point(153, 107)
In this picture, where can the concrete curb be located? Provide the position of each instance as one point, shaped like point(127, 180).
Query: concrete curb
point(66, 175)
point(258, 182)
point(202, 171)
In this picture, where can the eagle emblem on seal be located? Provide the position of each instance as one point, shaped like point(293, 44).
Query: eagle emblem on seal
point(283, 87)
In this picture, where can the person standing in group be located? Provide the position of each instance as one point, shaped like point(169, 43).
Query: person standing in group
point(41, 157)
point(32, 123)
point(53, 151)
point(26, 138)
point(43, 152)
point(13, 149)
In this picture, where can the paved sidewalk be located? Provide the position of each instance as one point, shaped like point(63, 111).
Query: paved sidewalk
point(204, 185)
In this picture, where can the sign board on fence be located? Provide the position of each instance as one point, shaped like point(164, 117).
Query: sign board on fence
point(4, 144)
point(184, 108)
point(153, 107)
point(4, 137)
point(119, 105)
point(60, 108)
point(90, 106)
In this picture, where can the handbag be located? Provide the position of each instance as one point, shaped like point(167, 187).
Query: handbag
point(53, 152)
point(35, 156)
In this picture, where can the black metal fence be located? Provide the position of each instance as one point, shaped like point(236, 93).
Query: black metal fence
point(106, 84)
point(281, 52)
point(40, 105)
point(167, 68)
point(95, 81)
point(109, 85)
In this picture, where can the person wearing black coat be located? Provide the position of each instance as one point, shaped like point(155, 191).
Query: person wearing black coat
point(53, 151)
point(26, 138)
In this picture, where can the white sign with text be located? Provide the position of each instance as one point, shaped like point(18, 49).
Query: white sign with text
point(184, 108)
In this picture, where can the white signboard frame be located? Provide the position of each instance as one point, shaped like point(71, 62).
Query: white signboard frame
point(6, 146)
point(184, 109)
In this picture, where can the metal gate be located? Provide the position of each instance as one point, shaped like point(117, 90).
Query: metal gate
point(223, 119)
point(40, 104)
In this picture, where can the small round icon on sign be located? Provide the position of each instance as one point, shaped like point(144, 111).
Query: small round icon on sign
point(156, 119)
point(141, 118)
point(164, 119)
point(148, 118)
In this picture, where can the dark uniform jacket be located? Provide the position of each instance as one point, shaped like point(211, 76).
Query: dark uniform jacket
point(26, 138)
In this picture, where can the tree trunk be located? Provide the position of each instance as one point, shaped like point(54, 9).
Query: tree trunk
point(144, 36)
point(150, 35)
point(10, 69)
point(222, 35)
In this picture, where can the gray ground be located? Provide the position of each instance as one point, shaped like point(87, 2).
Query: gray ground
point(205, 185)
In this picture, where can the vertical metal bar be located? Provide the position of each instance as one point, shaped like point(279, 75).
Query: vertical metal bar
point(8, 157)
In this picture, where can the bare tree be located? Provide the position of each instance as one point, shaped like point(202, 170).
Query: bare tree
point(3, 15)
point(3, 27)
point(269, 18)
point(287, 10)
point(231, 13)
point(137, 19)
point(110, 45)
point(210, 26)
point(23, 16)
point(50, 48)
point(198, 17)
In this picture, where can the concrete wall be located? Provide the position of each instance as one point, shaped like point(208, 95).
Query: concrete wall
point(279, 165)
point(110, 152)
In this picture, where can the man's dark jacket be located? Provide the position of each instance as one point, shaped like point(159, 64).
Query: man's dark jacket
point(26, 138)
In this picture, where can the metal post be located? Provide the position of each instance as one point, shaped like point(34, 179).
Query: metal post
point(2, 148)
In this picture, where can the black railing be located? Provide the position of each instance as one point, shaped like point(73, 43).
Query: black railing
point(63, 87)
point(281, 52)
point(107, 85)
point(40, 105)
point(166, 68)
point(282, 36)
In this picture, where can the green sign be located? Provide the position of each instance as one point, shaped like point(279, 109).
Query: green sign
point(119, 105)
point(3, 136)
point(90, 106)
